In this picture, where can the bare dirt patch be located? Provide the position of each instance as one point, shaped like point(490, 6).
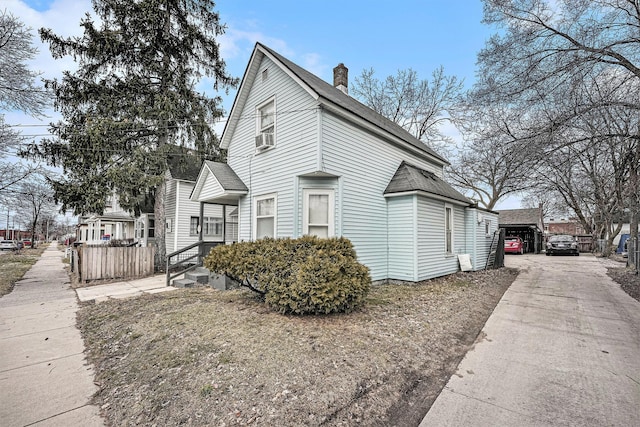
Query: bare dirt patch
point(202, 357)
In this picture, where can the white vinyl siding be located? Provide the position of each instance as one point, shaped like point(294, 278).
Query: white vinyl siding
point(274, 171)
point(402, 238)
point(180, 210)
point(433, 261)
point(478, 241)
point(365, 164)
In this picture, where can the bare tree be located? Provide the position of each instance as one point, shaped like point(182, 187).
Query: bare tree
point(32, 198)
point(18, 91)
point(419, 106)
point(490, 172)
point(492, 163)
point(546, 52)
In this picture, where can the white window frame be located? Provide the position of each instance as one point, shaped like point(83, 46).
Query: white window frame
point(210, 223)
point(305, 209)
point(259, 128)
point(254, 214)
point(449, 233)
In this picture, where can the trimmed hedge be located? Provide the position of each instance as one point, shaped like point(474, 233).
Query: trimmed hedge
point(308, 275)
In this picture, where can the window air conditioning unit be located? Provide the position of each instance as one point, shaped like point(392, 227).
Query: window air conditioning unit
point(264, 140)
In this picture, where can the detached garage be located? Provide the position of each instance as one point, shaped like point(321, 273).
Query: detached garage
point(526, 224)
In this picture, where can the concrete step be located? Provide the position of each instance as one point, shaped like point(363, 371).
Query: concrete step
point(184, 283)
point(201, 277)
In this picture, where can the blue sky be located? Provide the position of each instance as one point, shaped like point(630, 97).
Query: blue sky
point(385, 36)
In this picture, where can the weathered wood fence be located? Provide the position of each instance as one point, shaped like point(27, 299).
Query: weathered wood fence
point(98, 263)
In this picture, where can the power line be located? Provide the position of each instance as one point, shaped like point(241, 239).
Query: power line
point(140, 127)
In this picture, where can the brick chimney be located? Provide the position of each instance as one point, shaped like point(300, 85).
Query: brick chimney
point(341, 78)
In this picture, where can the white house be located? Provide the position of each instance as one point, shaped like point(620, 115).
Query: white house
point(114, 224)
point(183, 225)
point(306, 158)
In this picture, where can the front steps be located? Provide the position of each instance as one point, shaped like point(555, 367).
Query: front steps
point(201, 276)
point(196, 277)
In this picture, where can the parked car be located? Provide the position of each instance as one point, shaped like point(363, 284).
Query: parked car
point(513, 245)
point(562, 244)
point(8, 245)
point(27, 243)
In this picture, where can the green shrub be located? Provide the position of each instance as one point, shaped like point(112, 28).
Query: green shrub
point(301, 276)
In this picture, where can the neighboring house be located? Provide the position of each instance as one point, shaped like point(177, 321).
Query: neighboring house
point(569, 226)
point(183, 215)
point(303, 157)
point(527, 224)
point(113, 224)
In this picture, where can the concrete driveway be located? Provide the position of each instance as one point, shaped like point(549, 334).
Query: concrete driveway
point(562, 348)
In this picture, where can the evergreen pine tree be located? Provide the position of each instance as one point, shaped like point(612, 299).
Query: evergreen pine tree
point(131, 98)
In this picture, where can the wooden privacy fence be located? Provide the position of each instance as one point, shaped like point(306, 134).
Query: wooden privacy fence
point(97, 263)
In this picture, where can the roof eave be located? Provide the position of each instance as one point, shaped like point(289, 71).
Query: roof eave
point(429, 195)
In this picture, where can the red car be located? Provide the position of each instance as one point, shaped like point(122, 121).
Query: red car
point(513, 245)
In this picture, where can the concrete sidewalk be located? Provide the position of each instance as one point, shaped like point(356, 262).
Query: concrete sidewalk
point(562, 348)
point(44, 377)
point(125, 289)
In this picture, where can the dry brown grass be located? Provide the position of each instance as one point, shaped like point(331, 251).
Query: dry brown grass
point(14, 265)
point(204, 357)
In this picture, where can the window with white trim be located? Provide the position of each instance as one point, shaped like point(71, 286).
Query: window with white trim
point(212, 226)
point(266, 124)
point(265, 216)
point(318, 217)
point(448, 229)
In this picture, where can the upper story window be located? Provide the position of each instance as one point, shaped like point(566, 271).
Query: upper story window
point(266, 124)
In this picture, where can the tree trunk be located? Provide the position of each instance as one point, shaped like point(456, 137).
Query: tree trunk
point(159, 213)
point(635, 212)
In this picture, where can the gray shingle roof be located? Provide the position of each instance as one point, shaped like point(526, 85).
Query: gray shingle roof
point(520, 216)
point(226, 176)
point(336, 96)
point(413, 178)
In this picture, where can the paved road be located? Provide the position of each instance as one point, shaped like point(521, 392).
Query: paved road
point(562, 348)
point(44, 379)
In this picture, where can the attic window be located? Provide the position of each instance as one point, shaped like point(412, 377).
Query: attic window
point(265, 74)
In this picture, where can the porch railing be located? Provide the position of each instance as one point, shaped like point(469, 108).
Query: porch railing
point(187, 258)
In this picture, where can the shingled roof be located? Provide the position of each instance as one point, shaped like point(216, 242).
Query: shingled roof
point(520, 216)
point(328, 93)
point(227, 178)
point(412, 178)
